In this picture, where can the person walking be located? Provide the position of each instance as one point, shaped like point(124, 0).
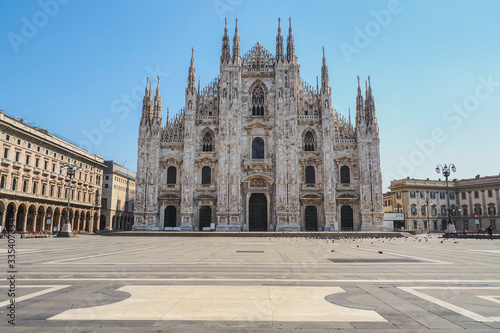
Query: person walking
point(490, 232)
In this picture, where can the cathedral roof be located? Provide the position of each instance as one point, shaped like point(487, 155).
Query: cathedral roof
point(258, 59)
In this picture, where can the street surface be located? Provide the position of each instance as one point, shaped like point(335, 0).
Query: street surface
point(93, 283)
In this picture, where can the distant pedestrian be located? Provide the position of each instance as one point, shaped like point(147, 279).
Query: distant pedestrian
point(490, 232)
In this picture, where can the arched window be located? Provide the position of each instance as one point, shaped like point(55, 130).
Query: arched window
point(206, 175)
point(310, 175)
point(208, 142)
point(171, 175)
point(345, 175)
point(257, 101)
point(258, 148)
point(309, 141)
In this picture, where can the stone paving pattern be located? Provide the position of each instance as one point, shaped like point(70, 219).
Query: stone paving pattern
point(92, 283)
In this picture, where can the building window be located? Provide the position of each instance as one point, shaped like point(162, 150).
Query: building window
point(442, 195)
point(310, 175)
point(423, 210)
point(443, 211)
point(452, 195)
point(433, 195)
point(46, 165)
point(422, 195)
point(3, 179)
point(27, 159)
point(434, 211)
point(258, 101)
point(478, 210)
point(490, 193)
point(126, 206)
point(345, 175)
point(44, 187)
point(208, 142)
point(7, 137)
point(171, 175)
point(118, 205)
point(412, 194)
point(464, 195)
point(106, 177)
point(104, 203)
point(398, 195)
point(52, 190)
point(476, 194)
point(35, 188)
point(491, 210)
point(58, 192)
point(105, 185)
point(258, 148)
point(37, 162)
point(309, 141)
point(206, 175)
point(25, 186)
point(6, 153)
point(465, 211)
point(413, 210)
point(14, 184)
point(18, 155)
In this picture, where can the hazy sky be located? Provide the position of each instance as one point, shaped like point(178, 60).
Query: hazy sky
point(78, 68)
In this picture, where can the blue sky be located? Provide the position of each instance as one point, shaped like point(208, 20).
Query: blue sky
point(78, 68)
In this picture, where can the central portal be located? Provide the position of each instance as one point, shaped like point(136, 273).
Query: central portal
point(257, 212)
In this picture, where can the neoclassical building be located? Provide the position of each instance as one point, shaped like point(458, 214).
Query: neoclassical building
point(118, 196)
point(34, 186)
point(474, 203)
point(258, 149)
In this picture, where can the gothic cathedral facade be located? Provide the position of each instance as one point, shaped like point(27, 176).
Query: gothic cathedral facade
point(258, 149)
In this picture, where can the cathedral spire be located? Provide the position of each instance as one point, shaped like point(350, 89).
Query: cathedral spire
point(226, 51)
point(324, 74)
point(145, 101)
point(360, 115)
point(290, 48)
point(192, 73)
point(370, 104)
point(168, 114)
point(236, 45)
point(157, 103)
point(279, 44)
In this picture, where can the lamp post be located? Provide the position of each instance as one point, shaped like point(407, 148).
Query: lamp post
point(70, 172)
point(446, 173)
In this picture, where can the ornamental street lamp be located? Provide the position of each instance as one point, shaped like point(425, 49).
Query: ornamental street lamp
point(70, 172)
point(446, 173)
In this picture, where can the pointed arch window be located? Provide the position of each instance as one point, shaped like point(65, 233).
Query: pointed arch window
point(309, 141)
point(258, 101)
point(171, 175)
point(310, 175)
point(258, 148)
point(206, 175)
point(207, 142)
point(345, 175)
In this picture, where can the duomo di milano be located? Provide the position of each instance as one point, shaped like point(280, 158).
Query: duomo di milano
point(258, 149)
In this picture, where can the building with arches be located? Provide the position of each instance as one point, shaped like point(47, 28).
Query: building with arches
point(33, 187)
point(118, 197)
point(259, 149)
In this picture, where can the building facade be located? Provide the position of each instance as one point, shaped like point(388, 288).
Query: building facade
point(34, 188)
point(474, 203)
point(259, 149)
point(118, 197)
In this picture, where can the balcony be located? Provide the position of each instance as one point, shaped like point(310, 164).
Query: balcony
point(261, 164)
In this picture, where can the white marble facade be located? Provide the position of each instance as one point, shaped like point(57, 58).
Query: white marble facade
point(258, 149)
